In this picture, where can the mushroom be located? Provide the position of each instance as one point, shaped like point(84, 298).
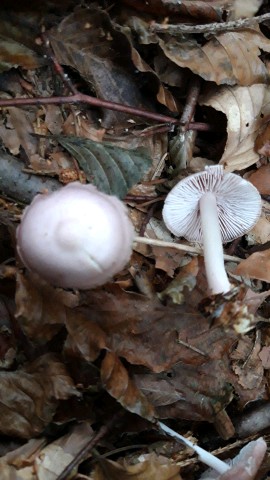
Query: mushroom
point(212, 207)
point(76, 237)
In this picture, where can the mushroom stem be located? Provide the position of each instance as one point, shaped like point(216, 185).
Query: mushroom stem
point(212, 245)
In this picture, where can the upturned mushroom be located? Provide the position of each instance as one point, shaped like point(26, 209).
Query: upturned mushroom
point(76, 237)
point(212, 207)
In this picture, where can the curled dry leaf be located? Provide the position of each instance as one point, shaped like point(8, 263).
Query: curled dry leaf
point(256, 266)
point(227, 58)
point(29, 396)
point(244, 108)
point(117, 382)
point(149, 467)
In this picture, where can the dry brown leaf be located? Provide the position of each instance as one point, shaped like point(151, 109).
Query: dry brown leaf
point(245, 108)
point(143, 331)
point(249, 368)
point(150, 467)
point(29, 396)
point(117, 382)
point(86, 41)
point(196, 393)
point(228, 58)
point(41, 308)
point(261, 178)
point(256, 266)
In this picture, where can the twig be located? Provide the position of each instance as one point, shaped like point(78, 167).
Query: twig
point(180, 246)
point(191, 102)
point(88, 447)
point(97, 102)
point(216, 27)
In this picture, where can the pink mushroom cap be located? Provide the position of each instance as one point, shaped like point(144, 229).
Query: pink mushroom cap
point(76, 237)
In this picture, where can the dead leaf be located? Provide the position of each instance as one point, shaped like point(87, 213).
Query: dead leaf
point(54, 458)
point(261, 178)
point(227, 58)
point(256, 266)
point(30, 395)
point(41, 308)
point(86, 41)
point(149, 467)
point(245, 108)
point(115, 379)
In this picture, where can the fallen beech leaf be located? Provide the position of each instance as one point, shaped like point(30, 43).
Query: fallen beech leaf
point(245, 108)
point(29, 396)
point(41, 308)
point(54, 458)
point(116, 380)
point(151, 467)
point(143, 331)
point(261, 178)
point(260, 233)
point(227, 58)
point(191, 392)
point(249, 368)
point(86, 41)
point(256, 266)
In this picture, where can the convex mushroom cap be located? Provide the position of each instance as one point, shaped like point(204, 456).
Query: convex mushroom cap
point(76, 237)
point(238, 204)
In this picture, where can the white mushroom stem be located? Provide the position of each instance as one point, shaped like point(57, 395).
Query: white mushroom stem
point(212, 245)
point(204, 456)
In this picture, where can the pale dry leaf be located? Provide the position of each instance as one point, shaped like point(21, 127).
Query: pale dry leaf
point(54, 458)
point(244, 8)
point(231, 58)
point(245, 108)
point(260, 233)
point(256, 266)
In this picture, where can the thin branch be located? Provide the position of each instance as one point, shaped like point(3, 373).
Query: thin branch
point(182, 28)
point(191, 102)
point(97, 102)
point(180, 246)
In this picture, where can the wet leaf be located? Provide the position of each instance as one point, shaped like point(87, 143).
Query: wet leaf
point(117, 382)
point(112, 169)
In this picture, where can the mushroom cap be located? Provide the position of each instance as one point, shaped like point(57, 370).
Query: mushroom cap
point(238, 204)
point(76, 237)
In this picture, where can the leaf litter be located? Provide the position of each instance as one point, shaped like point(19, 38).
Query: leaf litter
point(151, 345)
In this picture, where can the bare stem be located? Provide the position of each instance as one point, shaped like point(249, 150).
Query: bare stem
point(212, 245)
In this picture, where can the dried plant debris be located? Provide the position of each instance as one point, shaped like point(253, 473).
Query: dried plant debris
point(146, 376)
